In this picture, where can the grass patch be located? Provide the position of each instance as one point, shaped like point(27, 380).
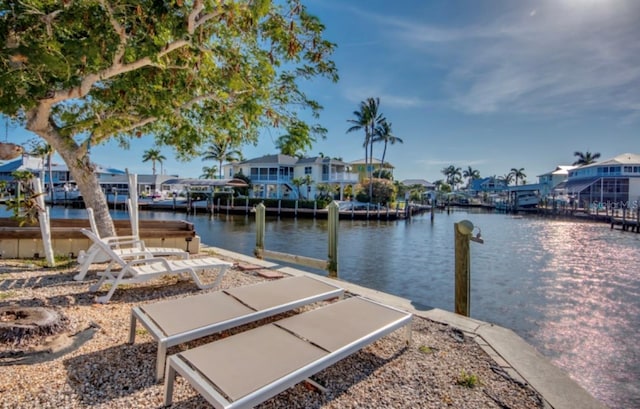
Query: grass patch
point(426, 349)
point(468, 380)
point(59, 262)
point(141, 331)
point(7, 294)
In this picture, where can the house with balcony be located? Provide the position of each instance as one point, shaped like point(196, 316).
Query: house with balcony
point(362, 168)
point(615, 181)
point(272, 176)
point(554, 178)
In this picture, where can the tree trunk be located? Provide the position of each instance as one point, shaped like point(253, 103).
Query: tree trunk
point(82, 171)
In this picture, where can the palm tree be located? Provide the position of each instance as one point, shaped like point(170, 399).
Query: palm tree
point(507, 178)
point(298, 182)
point(383, 133)
point(453, 175)
point(223, 151)
point(586, 158)
point(209, 172)
point(471, 174)
point(46, 151)
point(518, 174)
point(367, 118)
point(154, 156)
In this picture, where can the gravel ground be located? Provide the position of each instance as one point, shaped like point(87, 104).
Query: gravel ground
point(91, 364)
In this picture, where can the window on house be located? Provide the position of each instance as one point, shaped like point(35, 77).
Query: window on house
point(307, 170)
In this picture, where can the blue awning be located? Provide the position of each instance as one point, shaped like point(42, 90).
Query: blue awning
point(577, 186)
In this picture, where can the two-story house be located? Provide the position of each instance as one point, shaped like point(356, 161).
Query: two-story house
point(272, 176)
point(362, 169)
point(550, 180)
point(614, 181)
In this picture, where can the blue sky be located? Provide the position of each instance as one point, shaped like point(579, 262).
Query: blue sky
point(492, 84)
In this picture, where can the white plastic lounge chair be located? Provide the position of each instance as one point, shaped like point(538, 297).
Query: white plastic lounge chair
point(173, 322)
point(248, 368)
point(126, 246)
point(144, 269)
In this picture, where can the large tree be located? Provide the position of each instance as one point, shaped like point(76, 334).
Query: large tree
point(453, 175)
point(518, 174)
point(383, 133)
point(78, 73)
point(586, 158)
point(367, 118)
point(471, 174)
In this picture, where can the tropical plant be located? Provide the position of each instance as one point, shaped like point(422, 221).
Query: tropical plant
point(383, 133)
point(367, 119)
point(471, 174)
point(221, 150)
point(81, 73)
point(383, 174)
point(244, 191)
point(518, 174)
point(153, 155)
point(507, 178)
point(383, 190)
point(209, 172)
point(298, 182)
point(308, 181)
point(24, 204)
point(46, 151)
point(453, 175)
point(585, 158)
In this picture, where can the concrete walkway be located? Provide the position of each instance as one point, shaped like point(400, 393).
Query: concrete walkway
point(515, 356)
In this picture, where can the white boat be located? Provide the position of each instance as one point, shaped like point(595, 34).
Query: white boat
point(527, 199)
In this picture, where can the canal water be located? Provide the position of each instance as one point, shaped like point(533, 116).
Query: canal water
point(569, 288)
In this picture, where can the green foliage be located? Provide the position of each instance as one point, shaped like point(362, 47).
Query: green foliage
point(468, 380)
point(383, 191)
point(244, 191)
point(383, 174)
point(80, 73)
point(24, 206)
point(299, 138)
point(5, 295)
point(425, 349)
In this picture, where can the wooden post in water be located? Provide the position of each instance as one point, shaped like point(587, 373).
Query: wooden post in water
point(462, 268)
point(333, 217)
point(462, 236)
point(260, 221)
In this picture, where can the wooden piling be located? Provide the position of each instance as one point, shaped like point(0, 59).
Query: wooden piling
point(462, 234)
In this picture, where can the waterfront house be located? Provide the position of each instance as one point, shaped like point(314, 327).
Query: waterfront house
point(272, 176)
point(490, 184)
point(614, 181)
point(550, 180)
point(59, 172)
point(362, 169)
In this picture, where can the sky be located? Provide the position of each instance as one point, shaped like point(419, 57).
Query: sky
point(491, 84)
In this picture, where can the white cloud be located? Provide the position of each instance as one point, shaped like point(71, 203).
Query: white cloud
point(562, 57)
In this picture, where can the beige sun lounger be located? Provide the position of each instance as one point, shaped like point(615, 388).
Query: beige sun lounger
point(248, 368)
point(176, 321)
point(144, 269)
point(130, 247)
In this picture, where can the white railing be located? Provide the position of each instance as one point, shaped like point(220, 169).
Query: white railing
point(340, 177)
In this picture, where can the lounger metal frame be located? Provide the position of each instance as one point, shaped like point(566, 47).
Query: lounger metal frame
point(177, 365)
point(165, 342)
